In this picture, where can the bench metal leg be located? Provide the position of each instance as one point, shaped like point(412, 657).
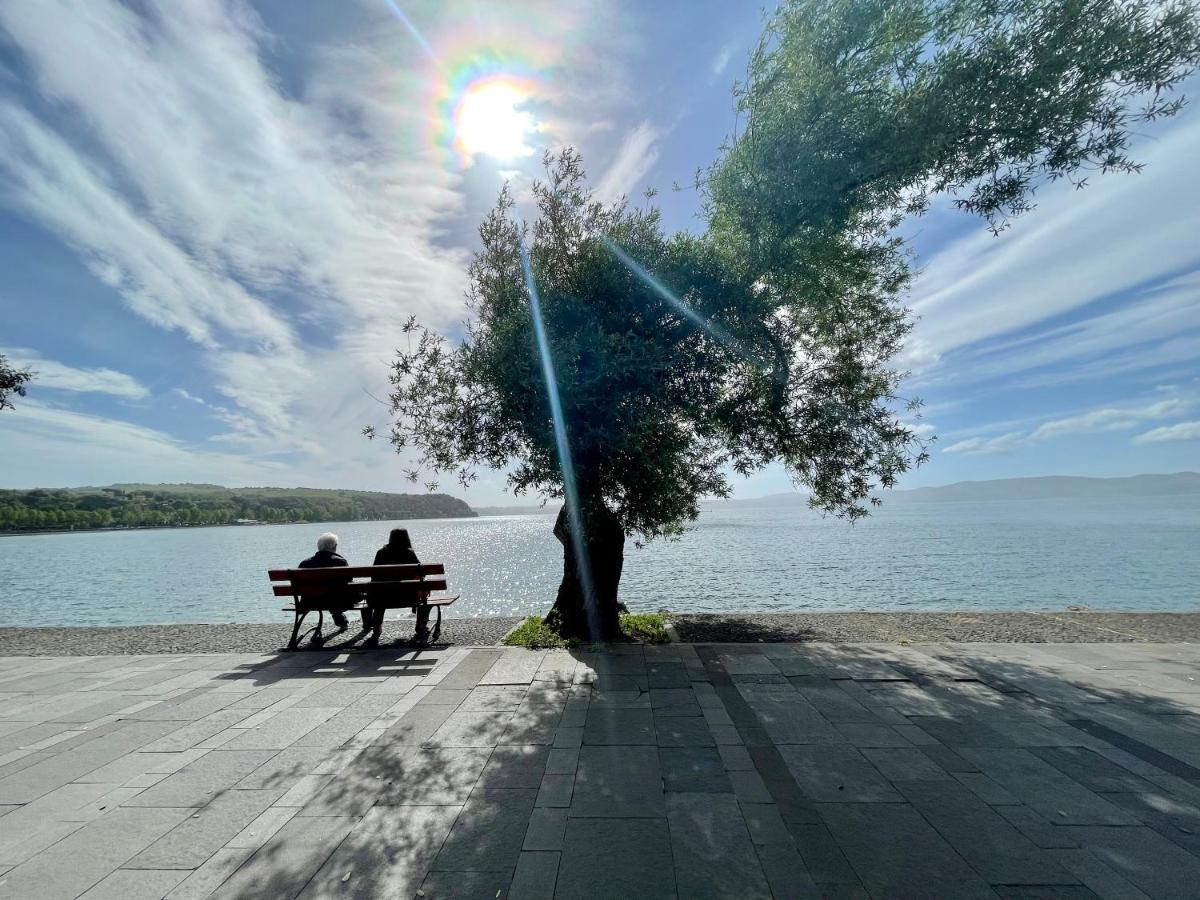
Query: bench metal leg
point(296, 629)
point(437, 626)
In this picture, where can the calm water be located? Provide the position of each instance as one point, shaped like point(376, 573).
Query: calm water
point(1114, 554)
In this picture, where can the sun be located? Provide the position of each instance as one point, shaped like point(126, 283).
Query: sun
point(489, 119)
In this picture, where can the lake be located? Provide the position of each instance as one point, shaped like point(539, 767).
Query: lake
point(1134, 554)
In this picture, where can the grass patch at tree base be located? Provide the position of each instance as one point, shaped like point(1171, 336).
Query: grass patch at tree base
point(535, 634)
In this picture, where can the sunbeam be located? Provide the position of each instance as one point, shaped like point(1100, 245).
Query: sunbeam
point(413, 31)
point(570, 489)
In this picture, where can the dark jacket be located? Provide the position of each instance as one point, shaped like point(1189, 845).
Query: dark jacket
point(324, 559)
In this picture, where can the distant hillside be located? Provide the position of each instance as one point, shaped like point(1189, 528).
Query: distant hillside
point(151, 505)
point(1050, 487)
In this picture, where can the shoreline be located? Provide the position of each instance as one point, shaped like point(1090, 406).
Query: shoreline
point(744, 627)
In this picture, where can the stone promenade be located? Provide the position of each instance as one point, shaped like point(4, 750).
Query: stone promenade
point(693, 770)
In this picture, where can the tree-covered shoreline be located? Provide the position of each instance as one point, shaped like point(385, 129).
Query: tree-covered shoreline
point(122, 506)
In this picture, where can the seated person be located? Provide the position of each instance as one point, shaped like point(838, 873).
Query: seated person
point(398, 551)
point(328, 557)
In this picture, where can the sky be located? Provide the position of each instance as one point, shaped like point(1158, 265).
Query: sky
point(215, 215)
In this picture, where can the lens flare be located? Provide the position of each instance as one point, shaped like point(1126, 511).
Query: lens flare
point(570, 489)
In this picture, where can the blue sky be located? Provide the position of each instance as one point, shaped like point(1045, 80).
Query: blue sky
point(214, 218)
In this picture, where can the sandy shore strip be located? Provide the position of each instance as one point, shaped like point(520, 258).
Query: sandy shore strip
point(889, 627)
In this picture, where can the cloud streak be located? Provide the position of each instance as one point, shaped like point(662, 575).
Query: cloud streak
point(61, 377)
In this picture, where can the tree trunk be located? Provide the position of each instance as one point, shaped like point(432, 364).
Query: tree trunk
point(586, 606)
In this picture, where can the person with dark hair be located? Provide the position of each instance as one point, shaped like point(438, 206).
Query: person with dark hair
point(398, 551)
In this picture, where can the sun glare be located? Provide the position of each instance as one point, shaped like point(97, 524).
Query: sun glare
point(489, 120)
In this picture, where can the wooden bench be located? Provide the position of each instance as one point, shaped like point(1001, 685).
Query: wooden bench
point(335, 589)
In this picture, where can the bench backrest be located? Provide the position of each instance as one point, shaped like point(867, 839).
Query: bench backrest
point(337, 579)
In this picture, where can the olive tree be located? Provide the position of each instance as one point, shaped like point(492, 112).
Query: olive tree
point(12, 382)
point(629, 372)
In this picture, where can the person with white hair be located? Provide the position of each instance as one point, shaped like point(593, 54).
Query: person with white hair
point(328, 557)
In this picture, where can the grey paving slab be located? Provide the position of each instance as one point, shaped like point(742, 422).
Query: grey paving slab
point(516, 766)
point(711, 848)
point(489, 831)
point(791, 719)
point(198, 782)
point(459, 884)
point(586, 870)
point(262, 829)
point(514, 667)
point(561, 761)
point(837, 774)
point(85, 857)
point(897, 853)
point(555, 790)
point(1146, 859)
point(1104, 881)
point(535, 877)
point(694, 770)
point(334, 732)
point(206, 880)
point(471, 728)
point(284, 865)
point(1176, 820)
point(618, 782)
point(443, 776)
point(205, 831)
point(125, 884)
point(679, 731)
point(905, 764)
point(283, 769)
point(783, 867)
point(387, 854)
point(1044, 788)
point(1093, 771)
point(609, 726)
point(986, 840)
point(282, 729)
point(185, 737)
point(547, 825)
point(417, 725)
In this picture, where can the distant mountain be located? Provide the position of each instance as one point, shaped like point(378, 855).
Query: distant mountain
point(1049, 487)
point(177, 505)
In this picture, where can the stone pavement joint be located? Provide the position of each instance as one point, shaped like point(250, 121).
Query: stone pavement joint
point(867, 770)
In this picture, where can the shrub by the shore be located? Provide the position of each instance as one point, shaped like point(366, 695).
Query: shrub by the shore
point(535, 634)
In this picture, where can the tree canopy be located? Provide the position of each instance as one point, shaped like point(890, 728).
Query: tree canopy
point(772, 336)
point(12, 382)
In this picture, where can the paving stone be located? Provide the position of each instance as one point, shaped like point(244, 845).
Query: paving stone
point(947, 759)
point(204, 832)
point(535, 876)
point(993, 847)
point(711, 846)
point(490, 885)
point(199, 781)
point(764, 823)
point(514, 667)
point(471, 729)
point(515, 767)
point(677, 731)
point(283, 729)
point(1175, 820)
point(63, 768)
point(961, 732)
point(489, 831)
point(694, 770)
point(85, 857)
point(188, 736)
point(836, 705)
point(204, 881)
point(618, 726)
point(865, 734)
point(556, 790)
point(387, 854)
point(725, 734)
point(417, 725)
point(191, 708)
point(590, 847)
point(436, 776)
point(125, 884)
point(568, 738)
point(618, 782)
point(1146, 859)
point(985, 789)
point(823, 858)
point(495, 698)
point(262, 829)
point(1047, 790)
point(285, 864)
point(837, 774)
point(791, 719)
point(547, 825)
point(284, 769)
point(337, 694)
point(445, 697)
point(1035, 827)
point(562, 762)
point(897, 853)
point(785, 873)
point(904, 764)
point(678, 701)
point(1092, 770)
point(334, 732)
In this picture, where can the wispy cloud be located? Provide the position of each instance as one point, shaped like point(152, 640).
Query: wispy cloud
point(721, 61)
point(1182, 431)
point(1095, 421)
point(61, 377)
point(635, 157)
